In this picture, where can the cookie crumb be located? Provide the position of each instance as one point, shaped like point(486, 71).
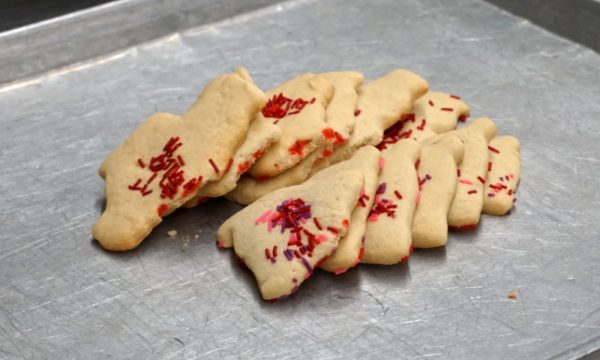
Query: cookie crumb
point(172, 233)
point(512, 295)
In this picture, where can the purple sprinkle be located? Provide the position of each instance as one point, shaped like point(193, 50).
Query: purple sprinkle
point(381, 188)
point(491, 194)
point(428, 177)
point(288, 254)
point(306, 265)
point(273, 260)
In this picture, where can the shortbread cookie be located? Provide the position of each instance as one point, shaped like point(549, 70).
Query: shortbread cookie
point(168, 157)
point(350, 249)
point(340, 118)
point(297, 107)
point(388, 237)
point(284, 235)
point(432, 114)
point(503, 176)
point(437, 185)
point(381, 104)
point(468, 201)
point(261, 135)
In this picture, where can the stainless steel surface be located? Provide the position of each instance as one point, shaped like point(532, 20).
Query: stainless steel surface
point(61, 296)
point(34, 49)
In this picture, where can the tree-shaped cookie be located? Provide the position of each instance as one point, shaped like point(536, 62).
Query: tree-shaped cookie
point(434, 113)
point(388, 237)
point(284, 235)
point(350, 249)
point(168, 158)
point(340, 118)
point(503, 177)
point(437, 185)
point(466, 207)
point(297, 107)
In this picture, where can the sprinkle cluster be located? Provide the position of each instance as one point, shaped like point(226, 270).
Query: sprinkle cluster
point(169, 167)
point(382, 205)
point(292, 215)
point(280, 106)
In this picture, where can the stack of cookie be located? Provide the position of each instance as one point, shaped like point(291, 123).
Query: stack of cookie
point(336, 172)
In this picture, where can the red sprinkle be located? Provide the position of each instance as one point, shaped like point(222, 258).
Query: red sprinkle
point(229, 163)
point(162, 209)
point(317, 224)
point(490, 166)
point(180, 160)
point(333, 230)
point(142, 164)
point(458, 172)
point(357, 112)
point(243, 167)
point(214, 166)
point(482, 180)
point(422, 126)
point(471, 192)
point(431, 103)
point(267, 254)
point(455, 97)
point(298, 147)
point(417, 163)
point(447, 109)
point(398, 195)
point(462, 118)
point(493, 149)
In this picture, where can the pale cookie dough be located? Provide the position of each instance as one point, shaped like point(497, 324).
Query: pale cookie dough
point(468, 201)
point(381, 104)
point(437, 185)
point(284, 235)
point(261, 135)
point(168, 157)
point(340, 118)
point(503, 177)
point(297, 107)
point(432, 114)
point(350, 249)
point(388, 237)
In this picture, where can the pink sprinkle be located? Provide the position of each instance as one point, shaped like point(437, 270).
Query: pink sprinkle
point(264, 217)
point(373, 217)
point(381, 163)
point(321, 238)
point(340, 271)
point(466, 182)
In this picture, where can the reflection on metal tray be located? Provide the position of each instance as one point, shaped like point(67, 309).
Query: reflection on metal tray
point(61, 296)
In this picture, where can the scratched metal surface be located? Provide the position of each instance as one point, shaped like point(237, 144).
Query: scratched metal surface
point(62, 296)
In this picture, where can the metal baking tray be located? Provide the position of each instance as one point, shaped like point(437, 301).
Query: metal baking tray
point(72, 94)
